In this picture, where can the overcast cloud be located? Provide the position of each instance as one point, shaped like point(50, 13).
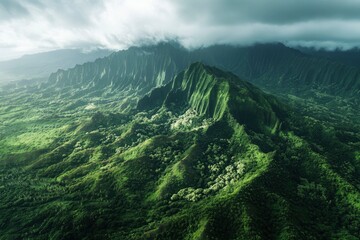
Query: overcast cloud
point(29, 26)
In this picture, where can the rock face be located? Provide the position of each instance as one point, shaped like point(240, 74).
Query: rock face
point(134, 69)
point(274, 66)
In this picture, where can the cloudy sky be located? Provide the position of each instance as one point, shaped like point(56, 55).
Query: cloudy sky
point(30, 26)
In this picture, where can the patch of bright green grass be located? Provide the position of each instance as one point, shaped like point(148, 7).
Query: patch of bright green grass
point(30, 141)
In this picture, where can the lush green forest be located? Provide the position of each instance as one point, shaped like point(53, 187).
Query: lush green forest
point(153, 143)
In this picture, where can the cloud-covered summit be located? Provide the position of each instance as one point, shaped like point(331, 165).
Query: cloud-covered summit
point(28, 26)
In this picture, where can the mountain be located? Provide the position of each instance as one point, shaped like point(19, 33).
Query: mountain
point(40, 65)
point(203, 155)
point(272, 66)
point(214, 93)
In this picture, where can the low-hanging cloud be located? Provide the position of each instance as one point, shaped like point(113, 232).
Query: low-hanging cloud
point(28, 26)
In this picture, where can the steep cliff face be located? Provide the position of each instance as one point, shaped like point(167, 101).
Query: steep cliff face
point(274, 66)
point(214, 93)
point(133, 69)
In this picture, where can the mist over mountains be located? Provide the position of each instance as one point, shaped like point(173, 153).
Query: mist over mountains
point(34, 26)
point(179, 120)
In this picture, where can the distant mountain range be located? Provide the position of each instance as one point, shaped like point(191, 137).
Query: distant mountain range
point(40, 65)
point(274, 67)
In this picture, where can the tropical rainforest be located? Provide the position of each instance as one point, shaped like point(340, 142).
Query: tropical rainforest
point(161, 142)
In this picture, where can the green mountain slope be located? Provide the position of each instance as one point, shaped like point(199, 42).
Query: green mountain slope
point(213, 93)
point(206, 156)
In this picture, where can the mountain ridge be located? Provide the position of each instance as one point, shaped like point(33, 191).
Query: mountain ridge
point(273, 67)
point(212, 92)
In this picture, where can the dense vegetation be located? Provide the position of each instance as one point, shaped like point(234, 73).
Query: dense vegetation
point(204, 156)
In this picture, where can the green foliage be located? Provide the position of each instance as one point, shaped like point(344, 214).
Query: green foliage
point(226, 161)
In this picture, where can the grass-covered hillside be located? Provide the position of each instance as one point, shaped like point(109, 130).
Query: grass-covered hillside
point(204, 156)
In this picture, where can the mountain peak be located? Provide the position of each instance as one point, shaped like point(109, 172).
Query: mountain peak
point(214, 93)
point(216, 72)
